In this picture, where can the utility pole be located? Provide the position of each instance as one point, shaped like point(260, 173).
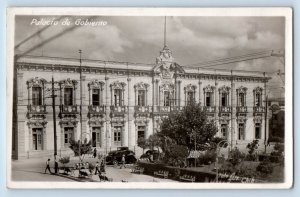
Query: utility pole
point(54, 119)
point(266, 113)
point(80, 113)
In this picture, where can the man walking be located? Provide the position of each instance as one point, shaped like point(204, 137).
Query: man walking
point(123, 162)
point(48, 166)
point(97, 170)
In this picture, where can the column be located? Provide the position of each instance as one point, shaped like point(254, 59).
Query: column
point(157, 93)
point(233, 112)
point(130, 111)
point(200, 97)
point(217, 100)
point(179, 92)
point(107, 133)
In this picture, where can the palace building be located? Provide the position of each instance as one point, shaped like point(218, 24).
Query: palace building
point(122, 102)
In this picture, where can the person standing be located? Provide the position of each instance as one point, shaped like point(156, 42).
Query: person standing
point(95, 153)
point(97, 168)
point(48, 166)
point(56, 166)
point(123, 162)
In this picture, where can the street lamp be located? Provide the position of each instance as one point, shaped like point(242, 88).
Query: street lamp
point(195, 143)
point(219, 146)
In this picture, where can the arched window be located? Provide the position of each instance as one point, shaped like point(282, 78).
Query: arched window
point(208, 95)
point(241, 95)
point(117, 91)
point(257, 92)
point(141, 91)
point(190, 91)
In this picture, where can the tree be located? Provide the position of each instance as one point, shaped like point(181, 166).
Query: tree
point(82, 148)
point(188, 127)
point(153, 141)
point(142, 142)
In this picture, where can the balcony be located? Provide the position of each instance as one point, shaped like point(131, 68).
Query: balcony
point(225, 109)
point(259, 109)
point(118, 110)
point(36, 109)
point(142, 110)
point(241, 109)
point(96, 110)
point(166, 109)
point(209, 109)
point(69, 109)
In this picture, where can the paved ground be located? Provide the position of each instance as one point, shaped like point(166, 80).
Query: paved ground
point(33, 170)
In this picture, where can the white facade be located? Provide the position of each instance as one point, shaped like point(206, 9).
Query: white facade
point(124, 101)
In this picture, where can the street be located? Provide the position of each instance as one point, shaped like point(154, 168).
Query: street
point(33, 170)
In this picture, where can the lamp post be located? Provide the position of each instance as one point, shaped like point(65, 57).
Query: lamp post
point(195, 144)
point(219, 146)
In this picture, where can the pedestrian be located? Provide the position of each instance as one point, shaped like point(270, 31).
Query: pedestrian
point(123, 162)
point(97, 168)
point(102, 166)
point(95, 153)
point(56, 166)
point(48, 166)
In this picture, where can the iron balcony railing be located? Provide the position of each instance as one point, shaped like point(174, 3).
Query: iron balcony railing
point(241, 109)
point(36, 108)
point(72, 109)
point(259, 109)
point(96, 109)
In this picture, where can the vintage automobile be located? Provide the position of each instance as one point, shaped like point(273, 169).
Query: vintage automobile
point(115, 157)
point(149, 153)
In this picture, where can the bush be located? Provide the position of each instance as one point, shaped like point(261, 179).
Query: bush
point(265, 167)
point(209, 156)
point(276, 139)
point(251, 149)
point(236, 156)
point(64, 160)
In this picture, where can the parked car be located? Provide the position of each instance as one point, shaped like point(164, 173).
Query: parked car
point(115, 157)
point(148, 154)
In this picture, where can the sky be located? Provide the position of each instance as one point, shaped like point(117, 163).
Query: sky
point(192, 40)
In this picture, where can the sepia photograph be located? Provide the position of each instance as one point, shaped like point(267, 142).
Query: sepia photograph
point(149, 98)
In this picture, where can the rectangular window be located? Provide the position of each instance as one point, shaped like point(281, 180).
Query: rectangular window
point(141, 98)
point(37, 138)
point(36, 96)
point(96, 97)
point(257, 99)
point(118, 97)
point(224, 131)
point(257, 130)
point(117, 133)
point(96, 136)
point(241, 131)
point(242, 99)
point(141, 131)
point(190, 98)
point(208, 99)
point(224, 99)
point(68, 96)
point(167, 98)
point(69, 135)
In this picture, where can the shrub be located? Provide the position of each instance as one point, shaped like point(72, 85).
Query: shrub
point(209, 156)
point(265, 167)
point(236, 156)
point(276, 139)
point(64, 160)
point(251, 148)
point(176, 155)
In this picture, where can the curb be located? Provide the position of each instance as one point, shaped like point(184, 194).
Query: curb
point(75, 178)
